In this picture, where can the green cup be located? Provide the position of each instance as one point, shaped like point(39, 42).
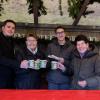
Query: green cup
point(31, 64)
point(37, 64)
point(43, 63)
point(54, 65)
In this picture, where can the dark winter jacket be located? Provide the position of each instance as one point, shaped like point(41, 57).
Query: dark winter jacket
point(22, 53)
point(64, 51)
point(7, 52)
point(8, 63)
point(86, 68)
point(28, 78)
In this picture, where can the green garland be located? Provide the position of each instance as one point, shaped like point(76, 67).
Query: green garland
point(41, 8)
point(75, 6)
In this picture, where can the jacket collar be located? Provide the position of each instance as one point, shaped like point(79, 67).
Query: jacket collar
point(67, 43)
point(33, 52)
point(88, 53)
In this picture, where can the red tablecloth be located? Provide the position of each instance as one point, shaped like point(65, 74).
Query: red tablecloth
point(49, 95)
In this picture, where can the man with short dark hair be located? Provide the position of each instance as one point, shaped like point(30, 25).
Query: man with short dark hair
point(85, 65)
point(8, 63)
point(29, 77)
point(61, 49)
point(7, 54)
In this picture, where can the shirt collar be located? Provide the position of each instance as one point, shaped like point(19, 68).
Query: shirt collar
point(34, 52)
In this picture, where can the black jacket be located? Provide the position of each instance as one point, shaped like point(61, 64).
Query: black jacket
point(22, 53)
point(8, 63)
point(86, 68)
point(7, 56)
point(64, 51)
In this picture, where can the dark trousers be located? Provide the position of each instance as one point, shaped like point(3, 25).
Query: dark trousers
point(7, 81)
point(54, 86)
point(27, 81)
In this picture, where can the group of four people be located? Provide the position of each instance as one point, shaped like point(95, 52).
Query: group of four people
point(78, 65)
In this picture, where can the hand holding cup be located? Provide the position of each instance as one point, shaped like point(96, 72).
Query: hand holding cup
point(61, 66)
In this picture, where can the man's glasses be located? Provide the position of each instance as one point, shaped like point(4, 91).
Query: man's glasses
point(60, 32)
point(31, 40)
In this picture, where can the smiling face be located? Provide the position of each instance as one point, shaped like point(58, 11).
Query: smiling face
point(82, 47)
point(31, 43)
point(8, 29)
point(60, 34)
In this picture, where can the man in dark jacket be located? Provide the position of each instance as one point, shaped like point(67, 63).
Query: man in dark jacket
point(7, 62)
point(60, 51)
point(85, 65)
point(28, 77)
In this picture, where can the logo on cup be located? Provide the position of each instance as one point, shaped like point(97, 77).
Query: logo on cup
point(54, 65)
point(36, 64)
point(43, 63)
point(31, 64)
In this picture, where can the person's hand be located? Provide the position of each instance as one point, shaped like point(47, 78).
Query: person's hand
point(61, 66)
point(82, 83)
point(24, 64)
point(61, 60)
point(38, 60)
